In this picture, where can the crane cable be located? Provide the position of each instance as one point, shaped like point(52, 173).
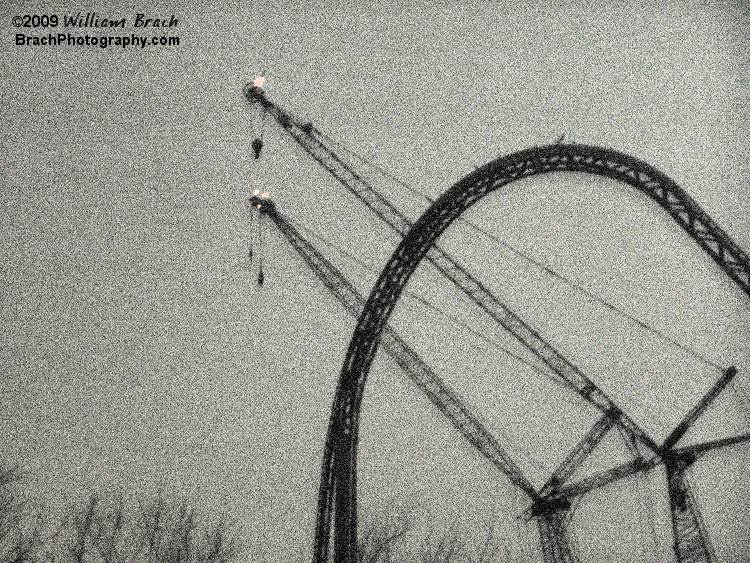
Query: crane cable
point(647, 512)
point(430, 305)
point(263, 118)
point(521, 527)
point(645, 505)
point(260, 249)
point(259, 120)
point(415, 296)
point(663, 414)
point(257, 143)
point(250, 237)
point(592, 297)
point(461, 322)
point(530, 458)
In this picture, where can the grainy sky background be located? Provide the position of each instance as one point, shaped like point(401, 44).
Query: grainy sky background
point(138, 350)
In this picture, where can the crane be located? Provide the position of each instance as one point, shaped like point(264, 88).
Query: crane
point(429, 382)
point(554, 497)
point(310, 139)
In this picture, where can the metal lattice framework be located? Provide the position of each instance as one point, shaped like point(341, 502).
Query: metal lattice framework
point(338, 498)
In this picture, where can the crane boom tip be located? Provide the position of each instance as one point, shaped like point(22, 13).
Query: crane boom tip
point(253, 93)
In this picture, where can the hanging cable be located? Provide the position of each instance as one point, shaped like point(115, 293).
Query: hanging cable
point(257, 143)
point(592, 297)
point(250, 241)
point(263, 119)
point(595, 298)
point(517, 447)
point(411, 294)
point(649, 501)
point(638, 492)
point(571, 402)
point(260, 249)
point(522, 535)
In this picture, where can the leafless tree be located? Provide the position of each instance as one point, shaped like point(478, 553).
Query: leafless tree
point(389, 538)
point(443, 547)
point(20, 529)
point(107, 529)
point(156, 530)
point(380, 537)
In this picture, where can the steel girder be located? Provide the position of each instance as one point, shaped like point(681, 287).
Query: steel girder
point(420, 242)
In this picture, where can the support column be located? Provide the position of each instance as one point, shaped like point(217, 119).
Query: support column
point(552, 517)
point(691, 541)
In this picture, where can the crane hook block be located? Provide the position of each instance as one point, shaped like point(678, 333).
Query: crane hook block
point(260, 278)
point(257, 146)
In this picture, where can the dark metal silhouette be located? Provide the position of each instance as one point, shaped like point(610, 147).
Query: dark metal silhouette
point(698, 409)
point(553, 519)
point(343, 429)
point(582, 450)
point(308, 138)
point(430, 383)
point(338, 479)
point(551, 504)
point(257, 146)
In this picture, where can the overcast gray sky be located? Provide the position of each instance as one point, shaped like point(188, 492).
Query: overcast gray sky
point(137, 347)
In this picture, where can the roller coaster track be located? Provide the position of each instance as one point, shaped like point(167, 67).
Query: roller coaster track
point(338, 483)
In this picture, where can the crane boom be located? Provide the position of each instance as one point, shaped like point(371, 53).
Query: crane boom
point(582, 450)
point(304, 135)
point(604, 478)
point(436, 390)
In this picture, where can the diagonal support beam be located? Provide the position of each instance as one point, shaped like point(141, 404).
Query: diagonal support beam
point(581, 451)
point(698, 409)
point(604, 478)
point(691, 540)
point(699, 449)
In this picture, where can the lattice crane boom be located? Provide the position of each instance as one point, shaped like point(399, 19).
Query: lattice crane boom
point(582, 450)
point(604, 478)
point(429, 382)
point(304, 135)
point(554, 538)
point(698, 409)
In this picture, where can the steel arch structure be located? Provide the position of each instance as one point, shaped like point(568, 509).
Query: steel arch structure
point(337, 498)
